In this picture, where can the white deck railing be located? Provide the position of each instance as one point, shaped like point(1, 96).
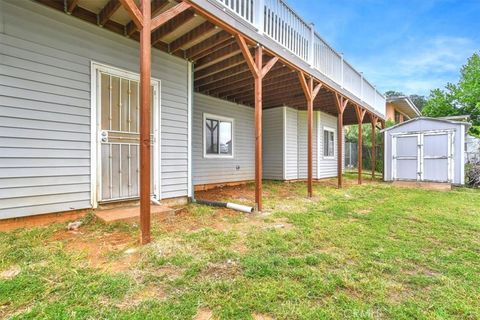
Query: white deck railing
point(278, 21)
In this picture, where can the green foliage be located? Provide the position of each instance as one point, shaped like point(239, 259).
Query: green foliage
point(462, 98)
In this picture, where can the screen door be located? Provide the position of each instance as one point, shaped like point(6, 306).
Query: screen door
point(119, 137)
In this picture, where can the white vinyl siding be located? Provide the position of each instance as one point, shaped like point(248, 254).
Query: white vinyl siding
point(327, 166)
point(45, 142)
point(303, 145)
point(291, 144)
point(241, 166)
point(273, 143)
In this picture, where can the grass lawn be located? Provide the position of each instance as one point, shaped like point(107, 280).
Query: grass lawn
point(363, 252)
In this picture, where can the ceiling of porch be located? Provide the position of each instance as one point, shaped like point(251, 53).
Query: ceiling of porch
point(220, 68)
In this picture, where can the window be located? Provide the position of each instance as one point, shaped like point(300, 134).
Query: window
point(328, 143)
point(218, 136)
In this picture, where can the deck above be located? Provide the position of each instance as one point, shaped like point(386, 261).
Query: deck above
point(275, 25)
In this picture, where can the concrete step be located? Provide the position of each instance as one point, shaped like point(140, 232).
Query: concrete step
point(131, 213)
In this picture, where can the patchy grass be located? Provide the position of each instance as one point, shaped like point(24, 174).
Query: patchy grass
point(363, 252)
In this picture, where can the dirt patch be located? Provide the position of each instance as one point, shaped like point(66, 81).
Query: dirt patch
point(136, 298)
point(109, 251)
point(10, 273)
point(203, 314)
point(226, 270)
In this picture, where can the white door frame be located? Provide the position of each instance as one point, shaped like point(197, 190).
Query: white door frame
point(95, 152)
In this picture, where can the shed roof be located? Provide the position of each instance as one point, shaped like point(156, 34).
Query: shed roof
point(427, 118)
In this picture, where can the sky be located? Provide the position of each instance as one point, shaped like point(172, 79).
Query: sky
point(411, 46)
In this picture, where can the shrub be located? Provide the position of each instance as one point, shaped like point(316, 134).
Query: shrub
point(472, 174)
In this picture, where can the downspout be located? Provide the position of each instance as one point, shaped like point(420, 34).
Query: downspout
point(191, 191)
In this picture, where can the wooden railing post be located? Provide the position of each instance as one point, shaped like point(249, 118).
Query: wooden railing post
point(259, 15)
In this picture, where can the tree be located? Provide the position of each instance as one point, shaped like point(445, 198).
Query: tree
point(392, 93)
point(440, 104)
point(418, 100)
point(462, 98)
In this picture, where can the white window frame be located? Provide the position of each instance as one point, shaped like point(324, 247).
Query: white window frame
point(219, 118)
point(323, 142)
point(95, 160)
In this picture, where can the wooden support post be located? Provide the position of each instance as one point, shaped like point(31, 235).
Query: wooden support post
point(145, 112)
point(360, 116)
point(341, 104)
point(310, 94)
point(258, 130)
point(255, 64)
point(374, 121)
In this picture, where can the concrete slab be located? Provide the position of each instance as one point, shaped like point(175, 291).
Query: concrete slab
point(130, 213)
point(439, 186)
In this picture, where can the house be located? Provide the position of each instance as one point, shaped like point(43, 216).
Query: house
point(230, 91)
point(400, 109)
point(426, 150)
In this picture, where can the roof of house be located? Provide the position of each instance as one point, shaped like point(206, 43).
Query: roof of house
point(427, 118)
point(405, 105)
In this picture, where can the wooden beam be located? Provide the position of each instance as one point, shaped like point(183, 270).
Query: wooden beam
point(341, 104)
point(171, 26)
point(221, 66)
point(310, 93)
point(310, 139)
point(216, 78)
point(360, 113)
point(268, 66)
point(374, 121)
point(168, 15)
point(145, 114)
point(203, 48)
point(71, 6)
point(257, 66)
point(245, 88)
point(133, 12)
point(305, 87)
point(157, 7)
point(382, 123)
point(242, 81)
point(108, 10)
point(190, 37)
point(247, 56)
point(217, 56)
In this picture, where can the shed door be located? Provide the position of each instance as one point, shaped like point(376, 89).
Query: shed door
point(119, 138)
point(424, 156)
point(437, 157)
point(406, 157)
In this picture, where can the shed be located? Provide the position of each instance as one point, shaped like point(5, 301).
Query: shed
point(426, 149)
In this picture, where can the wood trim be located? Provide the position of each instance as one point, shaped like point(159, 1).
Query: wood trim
point(168, 15)
point(192, 36)
point(157, 6)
